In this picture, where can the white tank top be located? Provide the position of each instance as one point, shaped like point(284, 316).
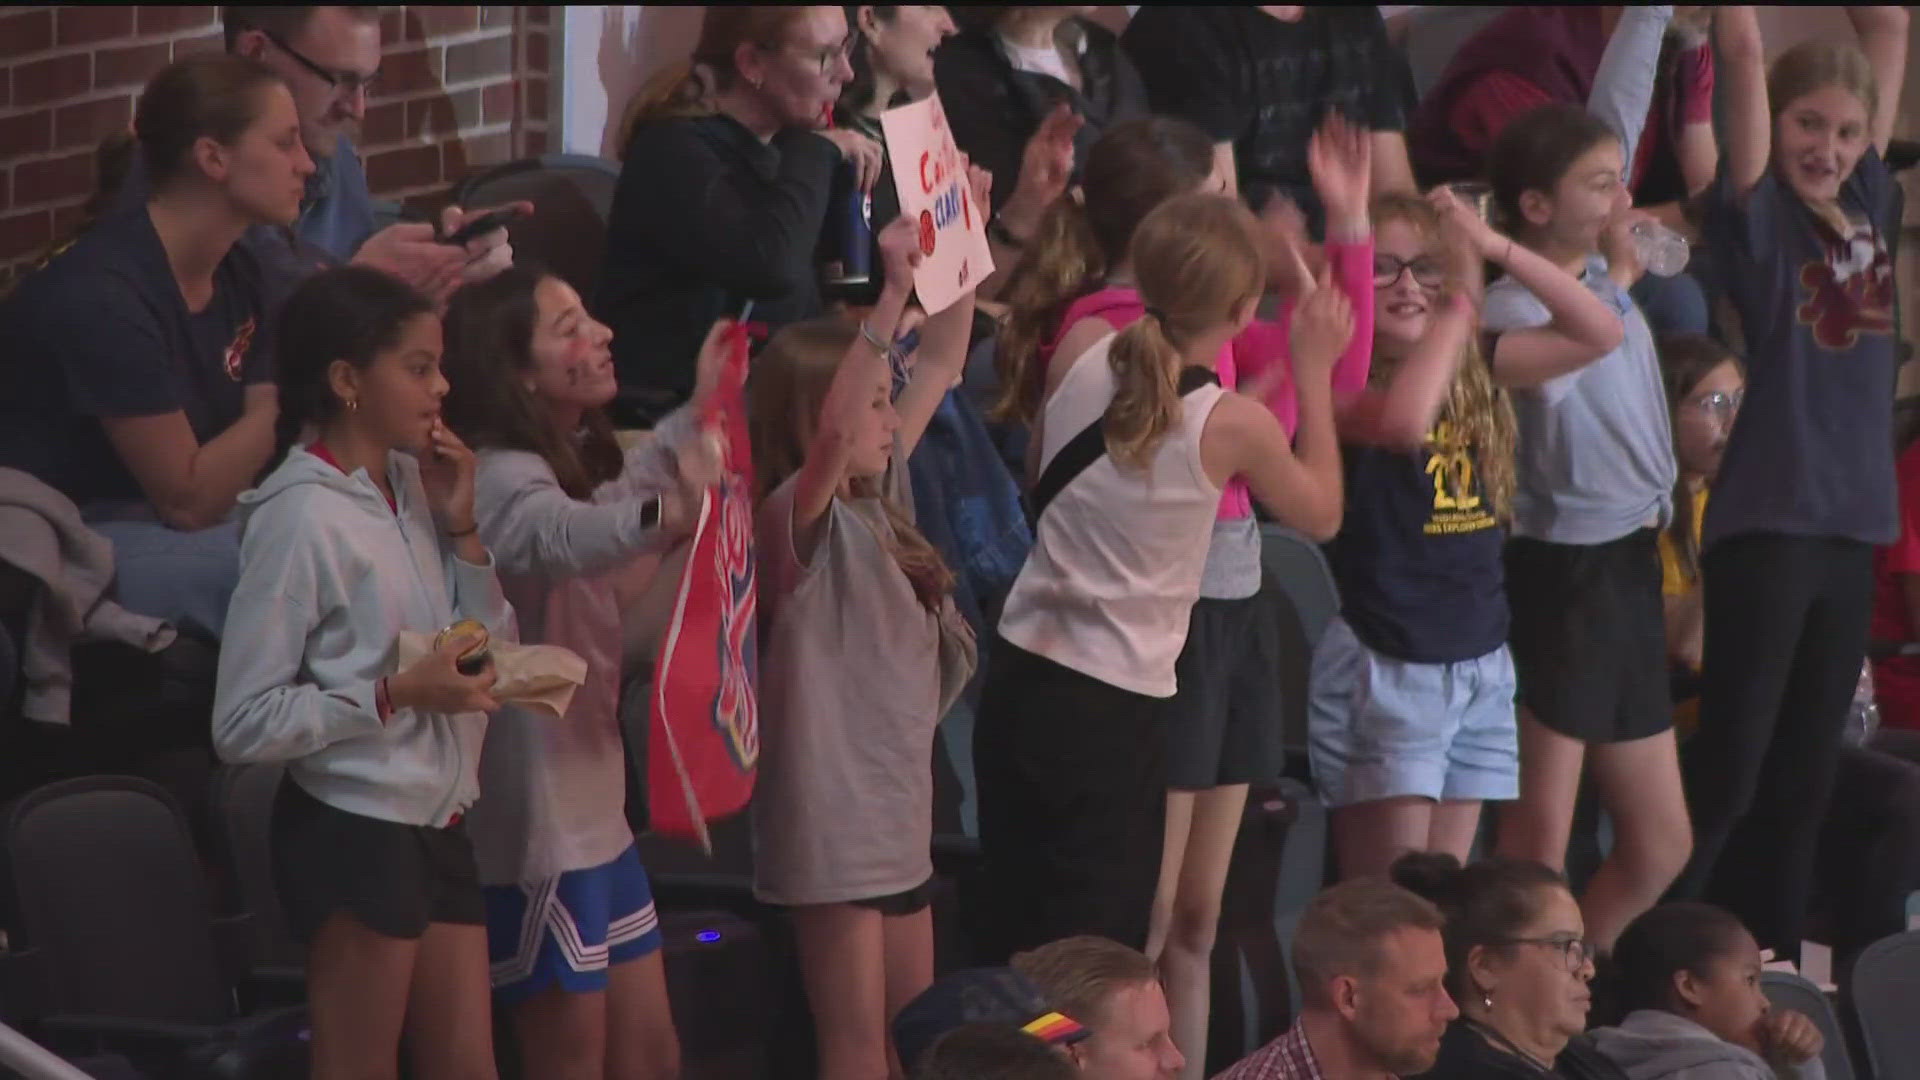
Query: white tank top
point(1117, 555)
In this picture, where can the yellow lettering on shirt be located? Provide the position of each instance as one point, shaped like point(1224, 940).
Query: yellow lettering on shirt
point(1457, 505)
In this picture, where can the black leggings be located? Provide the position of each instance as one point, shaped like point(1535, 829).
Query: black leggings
point(1786, 632)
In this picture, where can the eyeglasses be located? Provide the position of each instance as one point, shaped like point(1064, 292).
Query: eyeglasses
point(1720, 405)
point(346, 83)
point(1577, 951)
point(1427, 273)
point(832, 54)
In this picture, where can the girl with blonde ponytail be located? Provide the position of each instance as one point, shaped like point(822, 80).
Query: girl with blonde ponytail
point(1138, 441)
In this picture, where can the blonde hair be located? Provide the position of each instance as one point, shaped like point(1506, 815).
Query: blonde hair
point(1198, 264)
point(1135, 166)
point(1479, 410)
point(681, 90)
point(1079, 975)
point(785, 391)
point(1815, 65)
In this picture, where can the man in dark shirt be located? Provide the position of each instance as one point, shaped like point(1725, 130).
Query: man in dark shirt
point(1259, 80)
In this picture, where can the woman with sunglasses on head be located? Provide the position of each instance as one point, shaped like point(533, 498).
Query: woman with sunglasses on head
point(1518, 965)
point(723, 189)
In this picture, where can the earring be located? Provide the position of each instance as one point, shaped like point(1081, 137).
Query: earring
point(1486, 999)
point(755, 82)
point(353, 404)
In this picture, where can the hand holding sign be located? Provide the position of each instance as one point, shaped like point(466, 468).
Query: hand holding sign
point(901, 244)
point(934, 183)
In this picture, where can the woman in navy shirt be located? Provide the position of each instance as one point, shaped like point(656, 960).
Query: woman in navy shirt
point(140, 386)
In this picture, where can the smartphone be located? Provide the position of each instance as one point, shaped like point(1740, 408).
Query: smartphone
point(484, 224)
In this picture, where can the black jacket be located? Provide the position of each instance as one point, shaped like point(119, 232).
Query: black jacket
point(706, 217)
point(994, 108)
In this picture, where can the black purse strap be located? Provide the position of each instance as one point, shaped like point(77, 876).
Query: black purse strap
point(1089, 446)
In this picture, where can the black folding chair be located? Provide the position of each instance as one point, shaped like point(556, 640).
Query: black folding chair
point(112, 903)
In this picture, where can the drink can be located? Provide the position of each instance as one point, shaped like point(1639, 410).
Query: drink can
point(851, 226)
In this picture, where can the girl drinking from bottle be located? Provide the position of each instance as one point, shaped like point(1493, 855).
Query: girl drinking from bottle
point(1594, 486)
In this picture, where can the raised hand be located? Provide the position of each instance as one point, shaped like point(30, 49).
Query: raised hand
point(1322, 328)
point(1340, 160)
point(1460, 220)
point(1284, 233)
point(1046, 165)
point(446, 472)
point(866, 156)
point(900, 251)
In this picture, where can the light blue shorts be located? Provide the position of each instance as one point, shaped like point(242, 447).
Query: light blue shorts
point(1380, 728)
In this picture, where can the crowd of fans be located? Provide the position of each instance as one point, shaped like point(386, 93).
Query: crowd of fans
point(1242, 277)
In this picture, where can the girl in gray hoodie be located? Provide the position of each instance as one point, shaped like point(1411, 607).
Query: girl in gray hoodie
point(1689, 974)
point(363, 532)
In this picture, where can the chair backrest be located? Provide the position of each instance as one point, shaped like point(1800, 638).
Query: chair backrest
point(1789, 991)
point(1294, 567)
point(243, 798)
point(572, 197)
point(1884, 994)
point(110, 895)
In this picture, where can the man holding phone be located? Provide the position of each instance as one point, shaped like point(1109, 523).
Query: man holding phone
point(329, 58)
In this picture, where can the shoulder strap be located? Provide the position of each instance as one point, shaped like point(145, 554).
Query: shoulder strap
point(1089, 446)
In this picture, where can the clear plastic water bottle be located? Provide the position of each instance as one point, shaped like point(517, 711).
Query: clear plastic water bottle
point(1661, 250)
point(1863, 716)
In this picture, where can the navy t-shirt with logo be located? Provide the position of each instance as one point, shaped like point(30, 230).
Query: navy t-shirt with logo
point(1417, 558)
point(1812, 451)
point(103, 332)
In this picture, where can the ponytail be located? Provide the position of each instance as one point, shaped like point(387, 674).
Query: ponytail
point(1146, 394)
point(1200, 266)
point(1061, 260)
point(1134, 167)
point(686, 89)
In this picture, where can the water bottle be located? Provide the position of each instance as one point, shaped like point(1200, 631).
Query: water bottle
point(1661, 250)
point(850, 228)
point(1476, 194)
point(1863, 716)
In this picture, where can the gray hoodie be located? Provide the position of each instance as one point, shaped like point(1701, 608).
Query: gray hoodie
point(329, 577)
point(1655, 1045)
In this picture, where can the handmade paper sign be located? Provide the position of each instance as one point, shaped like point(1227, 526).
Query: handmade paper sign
point(934, 195)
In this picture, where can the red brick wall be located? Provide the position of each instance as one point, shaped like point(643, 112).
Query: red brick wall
point(459, 88)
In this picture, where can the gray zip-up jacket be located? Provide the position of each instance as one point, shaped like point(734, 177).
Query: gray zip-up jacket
point(329, 577)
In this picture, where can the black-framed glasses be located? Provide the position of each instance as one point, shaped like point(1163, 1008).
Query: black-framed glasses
point(1576, 951)
point(1720, 405)
point(347, 83)
point(827, 57)
point(1427, 272)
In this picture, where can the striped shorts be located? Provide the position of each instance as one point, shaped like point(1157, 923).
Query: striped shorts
point(568, 929)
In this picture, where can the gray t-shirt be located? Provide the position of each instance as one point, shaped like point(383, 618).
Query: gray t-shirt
point(1595, 455)
point(1812, 451)
point(849, 700)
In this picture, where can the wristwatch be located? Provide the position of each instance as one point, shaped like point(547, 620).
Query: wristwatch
point(652, 508)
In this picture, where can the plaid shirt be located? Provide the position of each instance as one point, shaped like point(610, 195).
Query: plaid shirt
point(1285, 1058)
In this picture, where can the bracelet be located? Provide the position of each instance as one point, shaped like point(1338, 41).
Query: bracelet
point(468, 531)
point(998, 230)
point(884, 348)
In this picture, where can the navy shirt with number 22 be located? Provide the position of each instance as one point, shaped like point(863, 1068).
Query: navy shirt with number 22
point(1417, 558)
